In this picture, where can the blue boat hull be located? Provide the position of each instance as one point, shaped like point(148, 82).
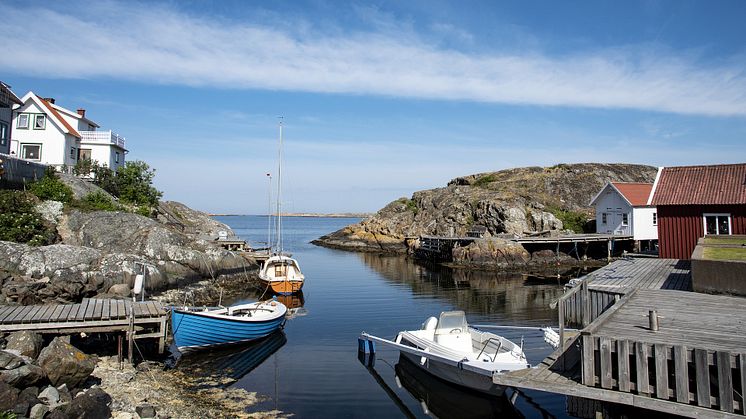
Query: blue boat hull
point(192, 330)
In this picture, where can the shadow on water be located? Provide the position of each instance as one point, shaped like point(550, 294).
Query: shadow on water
point(444, 400)
point(229, 364)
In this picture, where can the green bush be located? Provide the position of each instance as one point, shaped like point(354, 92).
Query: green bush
point(97, 201)
point(485, 180)
point(571, 220)
point(19, 222)
point(134, 183)
point(50, 187)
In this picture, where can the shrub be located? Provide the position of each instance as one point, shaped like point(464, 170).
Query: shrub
point(19, 222)
point(97, 201)
point(485, 180)
point(50, 187)
point(134, 183)
point(410, 205)
point(571, 220)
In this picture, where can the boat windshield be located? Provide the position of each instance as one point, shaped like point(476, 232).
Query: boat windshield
point(452, 320)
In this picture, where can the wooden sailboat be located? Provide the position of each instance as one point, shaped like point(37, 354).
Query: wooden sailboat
point(281, 273)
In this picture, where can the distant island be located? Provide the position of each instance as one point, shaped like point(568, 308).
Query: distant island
point(305, 214)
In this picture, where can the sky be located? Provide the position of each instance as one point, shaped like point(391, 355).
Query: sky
point(382, 99)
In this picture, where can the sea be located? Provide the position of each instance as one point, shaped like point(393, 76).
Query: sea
point(313, 370)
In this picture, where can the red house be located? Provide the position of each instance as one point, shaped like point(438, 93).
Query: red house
point(694, 201)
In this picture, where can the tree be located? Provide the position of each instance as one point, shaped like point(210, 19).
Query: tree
point(134, 184)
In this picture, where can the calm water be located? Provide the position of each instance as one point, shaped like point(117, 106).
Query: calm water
point(312, 371)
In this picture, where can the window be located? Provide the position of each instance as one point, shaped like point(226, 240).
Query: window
point(3, 133)
point(73, 154)
point(655, 218)
point(625, 219)
point(40, 122)
point(603, 218)
point(31, 151)
point(717, 223)
point(22, 121)
point(116, 157)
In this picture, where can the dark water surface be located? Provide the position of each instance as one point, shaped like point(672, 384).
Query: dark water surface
point(313, 370)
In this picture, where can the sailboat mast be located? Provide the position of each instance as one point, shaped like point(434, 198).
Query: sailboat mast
point(279, 193)
point(269, 214)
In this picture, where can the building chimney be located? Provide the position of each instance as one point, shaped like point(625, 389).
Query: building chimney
point(81, 112)
point(50, 100)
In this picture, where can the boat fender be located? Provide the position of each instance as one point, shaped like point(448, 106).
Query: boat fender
point(137, 289)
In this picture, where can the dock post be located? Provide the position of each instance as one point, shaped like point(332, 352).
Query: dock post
point(131, 334)
point(653, 316)
point(608, 250)
point(586, 301)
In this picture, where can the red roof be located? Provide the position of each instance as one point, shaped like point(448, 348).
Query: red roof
point(701, 185)
point(636, 193)
point(59, 117)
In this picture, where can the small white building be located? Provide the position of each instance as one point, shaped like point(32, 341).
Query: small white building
point(621, 209)
point(53, 135)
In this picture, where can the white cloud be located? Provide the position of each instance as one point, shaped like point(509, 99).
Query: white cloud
point(160, 44)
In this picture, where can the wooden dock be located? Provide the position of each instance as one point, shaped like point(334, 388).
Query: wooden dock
point(693, 365)
point(138, 319)
point(440, 249)
point(601, 288)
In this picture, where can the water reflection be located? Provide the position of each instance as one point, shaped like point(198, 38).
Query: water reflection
point(443, 400)
point(228, 365)
point(509, 296)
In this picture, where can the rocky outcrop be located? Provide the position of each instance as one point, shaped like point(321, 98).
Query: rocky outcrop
point(101, 249)
point(195, 224)
point(514, 202)
point(81, 187)
point(492, 251)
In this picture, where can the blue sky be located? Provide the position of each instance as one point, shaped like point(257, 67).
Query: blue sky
point(381, 99)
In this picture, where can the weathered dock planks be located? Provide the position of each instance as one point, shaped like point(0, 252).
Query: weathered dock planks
point(600, 289)
point(693, 365)
point(93, 315)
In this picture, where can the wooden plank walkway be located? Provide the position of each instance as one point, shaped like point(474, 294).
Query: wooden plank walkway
point(692, 364)
point(624, 275)
point(90, 315)
point(600, 289)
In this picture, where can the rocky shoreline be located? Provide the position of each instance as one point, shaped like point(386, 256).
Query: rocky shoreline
point(98, 254)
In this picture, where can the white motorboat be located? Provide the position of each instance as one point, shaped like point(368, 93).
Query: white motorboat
point(448, 348)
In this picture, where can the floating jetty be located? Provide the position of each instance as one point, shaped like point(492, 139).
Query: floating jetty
point(653, 345)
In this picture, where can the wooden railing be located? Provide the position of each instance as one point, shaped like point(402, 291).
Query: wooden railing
point(711, 379)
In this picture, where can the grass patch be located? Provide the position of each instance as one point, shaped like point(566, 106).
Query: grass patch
point(725, 253)
point(724, 240)
point(410, 205)
point(485, 180)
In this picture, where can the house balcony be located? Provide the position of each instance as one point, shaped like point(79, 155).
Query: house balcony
point(102, 137)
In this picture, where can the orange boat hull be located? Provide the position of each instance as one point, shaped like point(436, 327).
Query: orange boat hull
point(284, 287)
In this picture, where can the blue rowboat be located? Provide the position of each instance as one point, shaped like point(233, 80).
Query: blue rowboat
point(195, 328)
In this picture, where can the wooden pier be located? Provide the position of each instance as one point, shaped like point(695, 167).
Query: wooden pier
point(440, 249)
point(669, 351)
point(138, 320)
point(601, 288)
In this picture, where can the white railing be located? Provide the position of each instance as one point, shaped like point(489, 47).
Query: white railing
point(108, 137)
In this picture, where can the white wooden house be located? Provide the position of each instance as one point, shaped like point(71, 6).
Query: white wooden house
point(7, 100)
point(621, 209)
point(53, 135)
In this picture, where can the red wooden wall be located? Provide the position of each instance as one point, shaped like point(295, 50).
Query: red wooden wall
point(679, 226)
